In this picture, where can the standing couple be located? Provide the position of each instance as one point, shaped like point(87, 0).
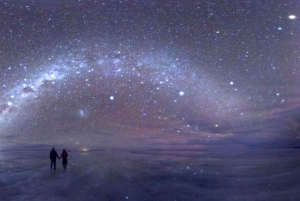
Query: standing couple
point(64, 156)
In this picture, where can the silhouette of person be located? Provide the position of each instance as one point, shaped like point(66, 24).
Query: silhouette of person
point(64, 156)
point(53, 155)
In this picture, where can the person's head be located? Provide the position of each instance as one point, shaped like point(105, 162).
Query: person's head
point(53, 148)
point(64, 150)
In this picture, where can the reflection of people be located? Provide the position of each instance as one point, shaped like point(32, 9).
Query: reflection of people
point(64, 156)
point(53, 155)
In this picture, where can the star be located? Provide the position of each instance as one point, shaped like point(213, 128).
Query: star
point(292, 17)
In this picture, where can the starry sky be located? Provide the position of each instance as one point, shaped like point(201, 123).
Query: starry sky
point(90, 73)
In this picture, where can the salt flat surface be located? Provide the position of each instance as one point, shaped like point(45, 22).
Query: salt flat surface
point(152, 174)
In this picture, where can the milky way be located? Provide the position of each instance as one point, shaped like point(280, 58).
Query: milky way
point(107, 70)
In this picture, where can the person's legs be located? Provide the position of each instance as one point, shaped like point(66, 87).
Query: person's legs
point(54, 161)
point(65, 162)
point(51, 164)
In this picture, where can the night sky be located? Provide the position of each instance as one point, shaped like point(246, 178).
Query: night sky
point(133, 73)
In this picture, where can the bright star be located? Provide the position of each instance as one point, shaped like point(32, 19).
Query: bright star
point(292, 17)
point(181, 93)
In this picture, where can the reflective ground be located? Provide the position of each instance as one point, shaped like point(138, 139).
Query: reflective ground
point(195, 173)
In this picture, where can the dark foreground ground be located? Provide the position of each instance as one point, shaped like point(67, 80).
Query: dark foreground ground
point(153, 174)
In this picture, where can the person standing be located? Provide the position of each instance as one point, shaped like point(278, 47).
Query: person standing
point(53, 155)
point(64, 156)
